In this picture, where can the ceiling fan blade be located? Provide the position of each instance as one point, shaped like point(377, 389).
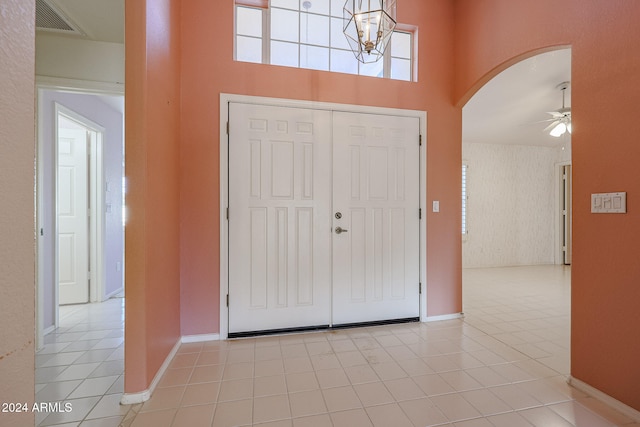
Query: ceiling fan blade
point(552, 125)
point(542, 121)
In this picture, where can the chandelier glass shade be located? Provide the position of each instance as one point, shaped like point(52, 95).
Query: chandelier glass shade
point(368, 26)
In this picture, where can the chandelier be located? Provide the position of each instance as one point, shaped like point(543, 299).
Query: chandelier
point(368, 26)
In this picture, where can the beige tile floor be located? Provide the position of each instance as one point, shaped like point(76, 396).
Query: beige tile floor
point(504, 364)
point(82, 363)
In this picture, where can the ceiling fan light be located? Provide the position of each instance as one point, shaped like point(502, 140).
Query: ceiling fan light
point(560, 129)
point(569, 127)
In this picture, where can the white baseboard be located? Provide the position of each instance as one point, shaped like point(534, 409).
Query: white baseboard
point(143, 396)
point(605, 398)
point(200, 338)
point(444, 317)
point(111, 294)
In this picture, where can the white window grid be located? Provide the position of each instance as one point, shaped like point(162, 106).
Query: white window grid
point(396, 64)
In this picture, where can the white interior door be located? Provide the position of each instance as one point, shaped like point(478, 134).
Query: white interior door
point(279, 218)
point(73, 221)
point(376, 202)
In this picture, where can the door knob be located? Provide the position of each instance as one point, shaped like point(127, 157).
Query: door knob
point(340, 230)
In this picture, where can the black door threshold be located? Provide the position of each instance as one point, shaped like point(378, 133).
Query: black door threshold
point(316, 328)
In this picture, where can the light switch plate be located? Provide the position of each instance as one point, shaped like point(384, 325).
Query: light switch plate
point(609, 202)
point(436, 206)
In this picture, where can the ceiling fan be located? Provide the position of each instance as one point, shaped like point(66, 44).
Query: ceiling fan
point(561, 119)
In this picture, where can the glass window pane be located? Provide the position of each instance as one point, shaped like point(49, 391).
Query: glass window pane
point(314, 29)
point(374, 69)
point(401, 69)
point(343, 61)
point(338, 39)
point(320, 7)
point(249, 21)
point(401, 45)
point(336, 7)
point(316, 58)
point(284, 25)
point(284, 54)
point(248, 49)
point(286, 4)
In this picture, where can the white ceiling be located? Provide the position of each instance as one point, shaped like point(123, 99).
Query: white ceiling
point(503, 111)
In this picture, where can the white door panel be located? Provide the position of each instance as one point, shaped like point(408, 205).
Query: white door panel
point(290, 171)
point(279, 218)
point(376, 192)
point(73, 222)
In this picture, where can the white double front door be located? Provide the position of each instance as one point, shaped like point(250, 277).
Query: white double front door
point(323, 218)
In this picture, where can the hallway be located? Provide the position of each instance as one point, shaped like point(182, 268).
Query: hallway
point(82, 362)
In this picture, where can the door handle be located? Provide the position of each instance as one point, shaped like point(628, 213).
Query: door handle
point(340, 230)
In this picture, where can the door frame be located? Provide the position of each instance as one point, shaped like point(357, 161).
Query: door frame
point(96, 205)
point(73, 86)
point(558, 217)
point(225, 99)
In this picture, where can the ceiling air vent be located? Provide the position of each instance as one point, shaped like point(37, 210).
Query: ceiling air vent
point(48, 18)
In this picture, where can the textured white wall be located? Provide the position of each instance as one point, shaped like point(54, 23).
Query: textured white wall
point(511, 218)
point(17, 228)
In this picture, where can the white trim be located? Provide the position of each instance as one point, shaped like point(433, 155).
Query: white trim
point(627, 410)
point(49, 330)
point(558, 220)
point(143, 396)
point(40, 329)
point(453, 316)
point(79, 86)
point(225, 98)
point(111, 294)
point(96, 203)
point(200, 338)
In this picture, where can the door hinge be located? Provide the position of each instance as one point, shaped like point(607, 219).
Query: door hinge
point(420, 213)
point(227, 213)
point(420, 140)
point(227, 128)
point(420, 288)
point(227, 300)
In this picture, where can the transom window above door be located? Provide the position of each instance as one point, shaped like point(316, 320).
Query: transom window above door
point(308, 34)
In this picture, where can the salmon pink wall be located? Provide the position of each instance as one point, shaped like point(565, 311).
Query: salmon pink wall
point(605, 40)
point(208, 69)
point(152, 242)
